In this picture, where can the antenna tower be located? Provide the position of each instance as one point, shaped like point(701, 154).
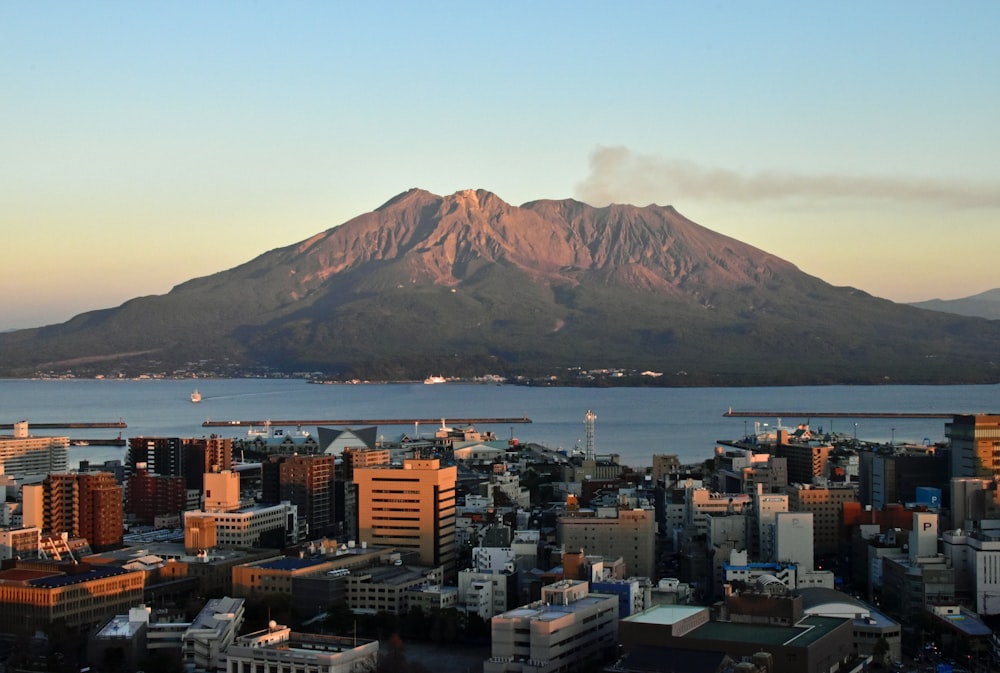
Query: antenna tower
point(588, 421)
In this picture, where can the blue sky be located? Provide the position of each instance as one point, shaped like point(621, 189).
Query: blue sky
point(144, 144)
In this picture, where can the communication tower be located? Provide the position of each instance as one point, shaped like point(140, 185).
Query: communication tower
point(588, 421)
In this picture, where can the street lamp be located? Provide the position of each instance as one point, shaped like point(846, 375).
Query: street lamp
point(893, 440)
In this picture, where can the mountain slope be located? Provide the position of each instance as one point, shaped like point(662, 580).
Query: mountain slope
point(982, 305)
point(468, 284)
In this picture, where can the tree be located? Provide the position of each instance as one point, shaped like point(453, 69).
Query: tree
point(880, 650)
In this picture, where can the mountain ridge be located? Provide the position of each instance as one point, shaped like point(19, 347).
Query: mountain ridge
point(467, 283)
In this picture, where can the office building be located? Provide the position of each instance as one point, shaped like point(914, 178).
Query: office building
point(278, 649)
point(568, 628)
point(410, 508)
point(308, 483)
point(975, 445)
point(629, 534)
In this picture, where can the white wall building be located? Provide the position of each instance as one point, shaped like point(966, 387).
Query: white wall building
point(567, 627)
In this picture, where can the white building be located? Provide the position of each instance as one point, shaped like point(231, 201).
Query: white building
point(975, 556)
point(22, 455)
point(204, 643)
point(243, 528)
point(278, 649)
point(568, 627)
point(793, 539)
point(486, 592)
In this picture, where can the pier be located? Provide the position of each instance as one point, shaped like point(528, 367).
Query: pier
point(366, 421)
point(834, 414)
point(69, 425)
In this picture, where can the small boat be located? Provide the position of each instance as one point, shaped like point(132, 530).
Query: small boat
point(196, 396)
point(434, 379)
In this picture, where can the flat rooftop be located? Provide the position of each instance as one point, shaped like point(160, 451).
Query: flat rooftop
point(665, 614)
point(803, 634)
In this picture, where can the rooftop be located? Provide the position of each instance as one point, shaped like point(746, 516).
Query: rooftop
point(804, 633)
point(665, 614)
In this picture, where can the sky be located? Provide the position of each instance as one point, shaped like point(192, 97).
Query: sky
point(144, 144)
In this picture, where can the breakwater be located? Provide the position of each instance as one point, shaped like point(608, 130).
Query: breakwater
point(731, 413)
point(367, 421)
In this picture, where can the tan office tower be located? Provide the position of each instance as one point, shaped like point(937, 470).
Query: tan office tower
point(410, 508)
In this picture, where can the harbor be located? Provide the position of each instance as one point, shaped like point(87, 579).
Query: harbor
point(731, 413)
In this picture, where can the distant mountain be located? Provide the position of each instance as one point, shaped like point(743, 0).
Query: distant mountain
point(983, 305)
point(468, 284)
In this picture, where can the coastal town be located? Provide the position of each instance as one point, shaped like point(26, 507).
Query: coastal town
point(785, 550)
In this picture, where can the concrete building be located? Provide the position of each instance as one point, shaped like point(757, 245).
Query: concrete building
point(811, 644)
point(974, 555)
point(206, 640)
point(280, 575)
point(486, 592)
point(23, 455)
point(975, 445)
point(85, 505)
point(760, 537)
point(272, 526)
point(36, 594)
point(868, 624)
point(568, 627)
point(826, 504)
point(389, 588)
point(412, 508)
point(20, 543)
point(919, 579)
point(308, 483)
point(152, 495)
point(278, 649)
point(807, 457)
point(893, 476)
point(630, 534)
point(793, 539)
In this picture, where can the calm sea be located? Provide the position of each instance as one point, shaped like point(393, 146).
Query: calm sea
point(633, 422)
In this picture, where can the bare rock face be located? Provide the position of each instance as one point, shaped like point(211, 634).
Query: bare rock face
point(469, 284)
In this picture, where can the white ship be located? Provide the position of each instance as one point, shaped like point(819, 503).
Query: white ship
point(434, 379)
point(196, 396)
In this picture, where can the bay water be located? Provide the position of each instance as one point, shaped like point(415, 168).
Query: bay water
point(632, 422)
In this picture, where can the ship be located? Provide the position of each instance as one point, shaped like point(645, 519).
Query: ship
point(196, 396)
point(434, 379)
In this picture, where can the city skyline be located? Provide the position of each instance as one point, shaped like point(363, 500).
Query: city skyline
point(152, 144)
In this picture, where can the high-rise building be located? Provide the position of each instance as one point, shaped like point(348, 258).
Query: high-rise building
point(82, 505)
point(410, 508)
point(307, 482)
point(161, 455)
point(975, 445)
point(203, 456)
point(22, 455)
point(151, 495)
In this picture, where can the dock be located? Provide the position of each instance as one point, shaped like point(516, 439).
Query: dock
point(367, 421)
point(119, 424)
point(731, 413)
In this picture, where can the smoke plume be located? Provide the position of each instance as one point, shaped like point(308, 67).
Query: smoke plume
point(619, 175)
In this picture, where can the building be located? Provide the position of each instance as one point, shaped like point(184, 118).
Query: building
point(87, 505)
point(869, 625)
point(826, 504)
point(272, 526)
point(278, 649)
point(975, 445)
point(975, 557)
point(807, 458)
point(36, 594)
point(152, 495)
point(280, 575)
point(567, 627)
point(205, 642)
point(160, 455)
point(204, 455)
point(389, 588)
point(811, 644)
point(20, 543)
point(486, 592)
point(308, 483)
point(412, 508)
point(23, 455)
point(893, 476)
point(920, 578)
point(629, 534)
